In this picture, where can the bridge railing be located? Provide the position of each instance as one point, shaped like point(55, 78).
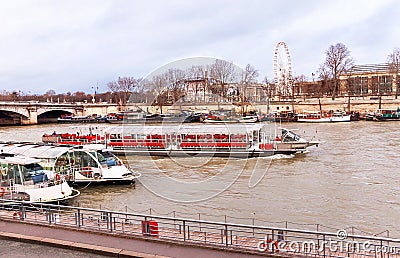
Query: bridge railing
point(259, 239)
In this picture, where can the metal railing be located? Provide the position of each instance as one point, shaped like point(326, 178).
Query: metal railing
point(230, 236)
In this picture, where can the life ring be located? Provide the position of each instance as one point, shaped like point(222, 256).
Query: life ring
point(57, 177)
point(87, 171)
point(2, 191)
point(17, 215)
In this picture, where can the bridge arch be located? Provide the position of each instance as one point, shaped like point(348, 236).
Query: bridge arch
point(8, 117)
point(50, 116)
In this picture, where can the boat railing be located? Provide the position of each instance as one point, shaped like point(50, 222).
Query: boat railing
point(244, 238)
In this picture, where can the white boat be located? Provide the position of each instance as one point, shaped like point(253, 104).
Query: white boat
point(84, 164)
point(23, 179)
point(219, 119)
point(248, 119)
point(317, 117)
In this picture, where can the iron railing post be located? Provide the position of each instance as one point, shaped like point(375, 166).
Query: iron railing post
point(184, 230)
point(226, 235)
point(78, 215)
point(273, 241)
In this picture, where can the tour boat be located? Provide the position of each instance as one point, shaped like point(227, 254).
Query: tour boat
point(317, 117)
point(80, 164)
point(228, 140)
point(23, 179)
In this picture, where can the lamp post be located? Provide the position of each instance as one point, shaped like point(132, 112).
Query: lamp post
point(95, 89)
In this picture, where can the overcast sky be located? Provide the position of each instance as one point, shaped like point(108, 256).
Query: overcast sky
point(75, 45)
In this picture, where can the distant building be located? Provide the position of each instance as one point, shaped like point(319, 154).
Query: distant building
point(370, 79)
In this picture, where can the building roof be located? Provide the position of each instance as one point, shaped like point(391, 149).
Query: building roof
point(370, 68)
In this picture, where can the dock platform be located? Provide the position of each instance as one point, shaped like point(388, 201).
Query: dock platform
point(106, 244)
point(123, 234)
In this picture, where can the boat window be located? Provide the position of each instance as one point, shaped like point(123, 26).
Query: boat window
point(33, 172)
point(32, 167)
point(4, 175)
point(62, 162)
point(13, 173)
point(101, 159)
point(109, 158)
point(289, 136)
point(83, 159)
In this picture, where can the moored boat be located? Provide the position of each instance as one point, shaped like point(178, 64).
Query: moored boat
point(248, 119)
point(219, 119)
point(83, 164)
point(354, 116)
point(384, 115)
point(229, 140)
point(80, 119)
point(318, 117)
point(23, 179)
point(132, 117)
point(284, 116)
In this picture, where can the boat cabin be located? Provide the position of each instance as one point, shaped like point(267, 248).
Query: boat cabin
point(235, 136)
point(78, 164)
point(23, 179)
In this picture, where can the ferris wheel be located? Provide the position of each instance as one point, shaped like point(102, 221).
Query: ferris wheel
point(282, 70)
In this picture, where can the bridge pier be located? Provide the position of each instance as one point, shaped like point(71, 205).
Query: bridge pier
point(32, 118)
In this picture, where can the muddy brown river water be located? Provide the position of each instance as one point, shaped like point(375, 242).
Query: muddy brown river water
point(351, 180)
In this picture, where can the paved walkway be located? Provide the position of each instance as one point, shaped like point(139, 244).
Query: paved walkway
point(107, 244)
point(17, 249)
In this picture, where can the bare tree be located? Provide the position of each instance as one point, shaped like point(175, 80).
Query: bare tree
point(197, 74)
point(175, 79)
point(158, 84)
point(394, 66)
point(298, 82)
point(324, 75)
point(223, 72)
point(123, 87)
point(337, 61)
point(248, 77)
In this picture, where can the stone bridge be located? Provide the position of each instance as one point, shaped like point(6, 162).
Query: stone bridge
point(32, 112)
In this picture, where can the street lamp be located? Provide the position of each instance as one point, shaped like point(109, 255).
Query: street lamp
point(95, 89)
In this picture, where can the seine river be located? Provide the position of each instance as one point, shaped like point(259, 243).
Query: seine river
point(351, 180)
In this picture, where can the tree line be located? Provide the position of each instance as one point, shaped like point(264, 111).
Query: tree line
point(213, 83)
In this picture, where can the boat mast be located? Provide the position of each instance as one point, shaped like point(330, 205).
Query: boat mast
point(320, 106)
point(348, 105)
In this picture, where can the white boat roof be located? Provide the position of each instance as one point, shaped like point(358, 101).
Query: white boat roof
point(185, 129)
point(19, 160)
point(39, 151)
point(311, 111)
